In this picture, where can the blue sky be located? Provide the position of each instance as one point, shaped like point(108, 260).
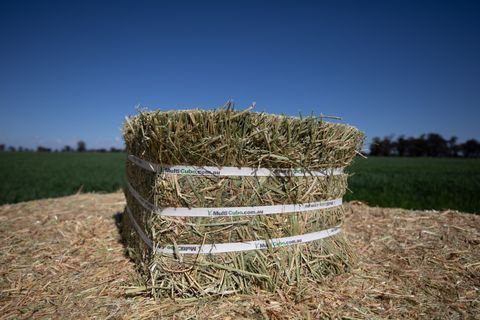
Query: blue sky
point(74, 70)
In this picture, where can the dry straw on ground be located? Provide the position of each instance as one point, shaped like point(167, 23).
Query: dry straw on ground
point(63, 259)
point(227, 137)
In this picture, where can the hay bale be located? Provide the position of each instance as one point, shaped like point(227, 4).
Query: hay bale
point(158, 237)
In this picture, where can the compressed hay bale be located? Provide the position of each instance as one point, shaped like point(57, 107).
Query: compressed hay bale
point(227, 137)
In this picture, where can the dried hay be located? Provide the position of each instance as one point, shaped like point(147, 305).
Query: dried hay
point(63, 259)
point(226, 137)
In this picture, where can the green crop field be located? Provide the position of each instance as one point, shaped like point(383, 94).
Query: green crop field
point(27, 175)
point(413, 183)
point(417, 183)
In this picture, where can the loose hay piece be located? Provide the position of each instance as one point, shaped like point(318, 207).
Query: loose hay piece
point(226, 137)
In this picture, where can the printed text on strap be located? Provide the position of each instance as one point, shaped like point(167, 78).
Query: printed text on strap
point(233, 211)
point(234, 246)
point(231, 171)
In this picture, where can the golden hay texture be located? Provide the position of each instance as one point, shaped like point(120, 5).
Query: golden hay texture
point(62, 258)
point(227, 137)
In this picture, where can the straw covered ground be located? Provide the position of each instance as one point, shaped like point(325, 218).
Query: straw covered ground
point(62, 258)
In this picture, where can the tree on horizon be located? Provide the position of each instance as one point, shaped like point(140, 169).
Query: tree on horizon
point(81, 146)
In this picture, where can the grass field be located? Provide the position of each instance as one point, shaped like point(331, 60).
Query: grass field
point(417, 183)
point(412, 183)
point(27, 176)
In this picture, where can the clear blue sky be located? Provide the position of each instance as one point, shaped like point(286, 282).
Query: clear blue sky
point(73, 70)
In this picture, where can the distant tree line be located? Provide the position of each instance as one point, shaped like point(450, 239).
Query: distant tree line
point(81, 147)
point(426, 145)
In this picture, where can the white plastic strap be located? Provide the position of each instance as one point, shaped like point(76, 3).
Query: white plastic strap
point(231, 171)
point(233, 211)
point(235, 246)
